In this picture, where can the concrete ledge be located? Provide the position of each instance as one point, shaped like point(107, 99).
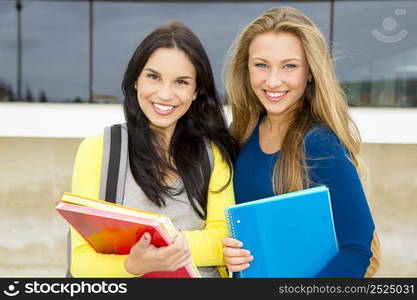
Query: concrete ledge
point(70, 120)
point(57, 120)
point(35, 172)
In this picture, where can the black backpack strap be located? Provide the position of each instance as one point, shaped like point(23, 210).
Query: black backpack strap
point(114, 164)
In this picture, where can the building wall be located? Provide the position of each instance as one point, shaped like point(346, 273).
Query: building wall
point(36, 171)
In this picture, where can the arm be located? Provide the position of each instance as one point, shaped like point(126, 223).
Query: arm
point(207, 245)
point(86, 262)
point(331, 166)
point(86, 181)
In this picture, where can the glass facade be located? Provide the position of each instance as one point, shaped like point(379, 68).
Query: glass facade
point(46, 54)
point(215, 23)
point(8, 55)
point(376, 42)
point(54, 50)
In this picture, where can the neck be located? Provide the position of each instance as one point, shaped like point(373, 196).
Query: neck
point(165, 136)
point(279, 123)
point(162, 143)
point(276, 123)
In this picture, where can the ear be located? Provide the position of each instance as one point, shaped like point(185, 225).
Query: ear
point(135, 85)
point(195, 95)
point(310, 76)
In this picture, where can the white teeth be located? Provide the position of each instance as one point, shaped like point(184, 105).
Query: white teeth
point(163, 107)
point(275, 95)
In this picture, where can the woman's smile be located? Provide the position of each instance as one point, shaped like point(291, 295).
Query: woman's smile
point(163, 109)
point(275, 96)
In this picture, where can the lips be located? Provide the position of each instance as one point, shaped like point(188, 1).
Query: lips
point(275, 96)
point(163, 109)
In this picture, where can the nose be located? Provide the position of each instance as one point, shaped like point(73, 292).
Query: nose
point(165, 92)
point(274, 79)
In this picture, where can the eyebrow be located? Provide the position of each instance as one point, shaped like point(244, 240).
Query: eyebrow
point(159, 74)
point(284, 61)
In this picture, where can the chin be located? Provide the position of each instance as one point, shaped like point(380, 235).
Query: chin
point(273, 109)
point(157, 124)
point(275, 112)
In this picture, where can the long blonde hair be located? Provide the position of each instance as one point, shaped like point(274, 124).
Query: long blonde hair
point(323, 101)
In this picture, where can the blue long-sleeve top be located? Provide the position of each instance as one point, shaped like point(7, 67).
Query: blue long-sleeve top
point(329, 165)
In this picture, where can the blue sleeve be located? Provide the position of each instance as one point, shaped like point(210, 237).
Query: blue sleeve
point(330, 165)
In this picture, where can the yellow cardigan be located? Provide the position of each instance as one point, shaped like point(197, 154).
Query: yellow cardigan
point(206, 245)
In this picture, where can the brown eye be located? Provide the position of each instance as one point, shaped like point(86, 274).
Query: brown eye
point(153, 76)
point(182, 82)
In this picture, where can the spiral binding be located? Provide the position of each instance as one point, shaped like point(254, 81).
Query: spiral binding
point(231, 225)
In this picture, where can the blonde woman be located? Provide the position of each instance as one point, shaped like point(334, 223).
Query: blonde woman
point(291, 119)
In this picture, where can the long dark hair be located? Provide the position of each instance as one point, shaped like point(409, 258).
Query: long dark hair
point(203, 120)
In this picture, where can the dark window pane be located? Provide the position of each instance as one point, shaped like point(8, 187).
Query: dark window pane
point(120, 26)
point(8, 57)
point(55, 51)
point(376, 50)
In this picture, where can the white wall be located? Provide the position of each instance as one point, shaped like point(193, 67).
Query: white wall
point(377, 125)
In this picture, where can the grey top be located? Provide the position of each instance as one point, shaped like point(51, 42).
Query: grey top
point(178, 208)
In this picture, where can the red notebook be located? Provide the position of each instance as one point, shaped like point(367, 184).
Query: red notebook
point(112, 228)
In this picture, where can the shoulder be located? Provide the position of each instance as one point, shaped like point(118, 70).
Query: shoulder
point(327, 158)
point(221, 172)
point(220, 163)
point(321, 134)
point(90, 148)
point(320, 140)
point(217, 155)
point(91, 143)
point(87, 167)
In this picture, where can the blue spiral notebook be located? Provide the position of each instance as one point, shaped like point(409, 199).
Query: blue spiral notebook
point(289, 235)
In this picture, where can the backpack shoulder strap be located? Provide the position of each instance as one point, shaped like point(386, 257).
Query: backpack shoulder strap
point(114, 164)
